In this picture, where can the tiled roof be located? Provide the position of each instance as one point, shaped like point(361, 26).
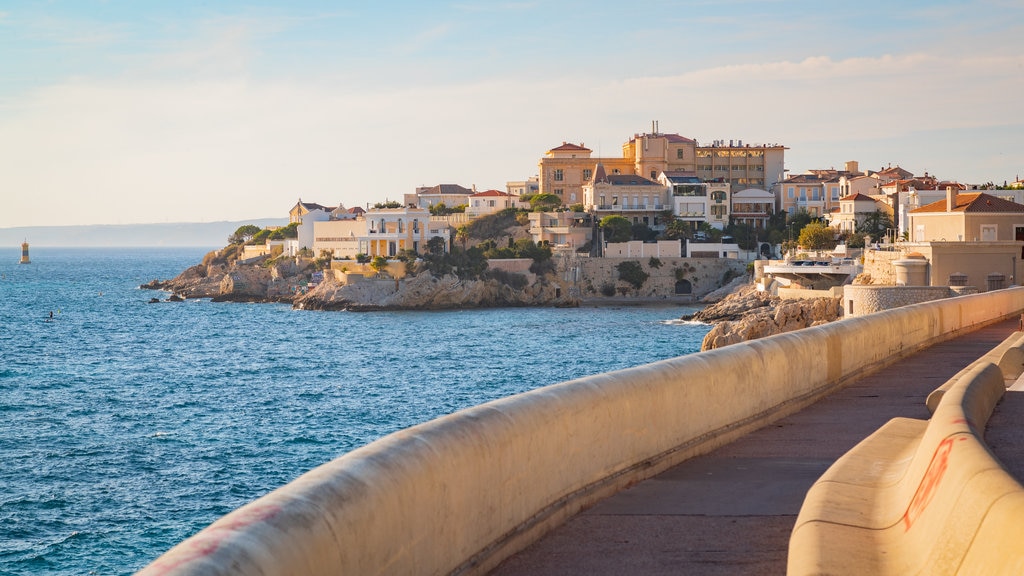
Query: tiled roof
point(803, 179)
point(569, 146)
point(447, 189)
point(671, 138)
point(489, 193)
point(975, 203)
point(314, 206)
point(629, 180)
point(857, 197)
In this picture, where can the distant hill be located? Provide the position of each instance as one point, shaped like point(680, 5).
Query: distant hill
point(211, 234)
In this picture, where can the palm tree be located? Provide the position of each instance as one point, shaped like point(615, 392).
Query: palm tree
point(462, 236)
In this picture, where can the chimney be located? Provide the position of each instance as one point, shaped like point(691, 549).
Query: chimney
point(950, 198)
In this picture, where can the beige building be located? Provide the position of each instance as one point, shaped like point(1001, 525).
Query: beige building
point(450, 195)
point(854, 209)
point(968, 217)
point(489, 202)
point(523, 187)
point(638, 199)
point(302, 208)
point(983, 265)
point(697, 202)
point(565, 169)
point(565, 230)
point(752, 207)
point(379, 232)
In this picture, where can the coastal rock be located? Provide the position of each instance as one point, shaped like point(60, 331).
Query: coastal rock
point(748, 314)
point(427, 292)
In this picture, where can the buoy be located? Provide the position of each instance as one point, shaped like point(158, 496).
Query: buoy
point(24, 253)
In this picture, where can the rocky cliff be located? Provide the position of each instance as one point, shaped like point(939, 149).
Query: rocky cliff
point(284, 280)
point(747, 314)
point(224, 280)
point(427, 292)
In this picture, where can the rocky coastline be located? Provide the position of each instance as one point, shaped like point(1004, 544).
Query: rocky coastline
point(285, 280)
point(747, 314)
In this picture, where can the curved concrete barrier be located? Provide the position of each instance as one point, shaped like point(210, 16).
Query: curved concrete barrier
point(461, 493)
point(1009, 355)
point(915, 496)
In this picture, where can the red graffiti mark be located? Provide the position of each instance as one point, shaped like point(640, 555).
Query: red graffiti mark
point(926, 489)
point(209, 540)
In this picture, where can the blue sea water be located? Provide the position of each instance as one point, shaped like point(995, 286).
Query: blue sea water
point(126, 427)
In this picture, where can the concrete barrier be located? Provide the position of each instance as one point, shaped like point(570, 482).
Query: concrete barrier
point(461, 493)
point(917, 497)
point(1009, 355)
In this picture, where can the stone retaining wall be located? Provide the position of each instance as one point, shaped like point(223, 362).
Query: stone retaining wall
point(859, 300)
point(703, 275)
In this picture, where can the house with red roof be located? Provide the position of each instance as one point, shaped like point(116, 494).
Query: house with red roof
point(490, 202)
point(968, 217)
point(854, 209)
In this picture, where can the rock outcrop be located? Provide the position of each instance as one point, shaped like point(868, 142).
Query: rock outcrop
point(284, 280)
point(427, 292)
point(223, 280)
point(747, 314)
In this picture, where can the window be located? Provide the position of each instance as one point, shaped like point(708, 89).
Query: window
point(790, 190)
point(587, 173)
point(654, 174)
point(988, 232)
point(559, 176)
point(679, 154)
point(559, 191)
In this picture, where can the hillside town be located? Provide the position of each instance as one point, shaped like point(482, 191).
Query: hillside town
point(670, 219)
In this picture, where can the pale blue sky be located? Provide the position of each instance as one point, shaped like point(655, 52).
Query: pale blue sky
point(118, 112)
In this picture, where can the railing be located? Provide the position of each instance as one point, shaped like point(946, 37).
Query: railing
point(626, 207)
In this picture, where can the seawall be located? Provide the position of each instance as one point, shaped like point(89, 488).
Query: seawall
point(461, 493)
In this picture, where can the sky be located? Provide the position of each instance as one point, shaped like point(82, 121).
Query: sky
point(124, 112)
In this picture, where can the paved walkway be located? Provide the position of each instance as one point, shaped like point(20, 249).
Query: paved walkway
point(731, 511)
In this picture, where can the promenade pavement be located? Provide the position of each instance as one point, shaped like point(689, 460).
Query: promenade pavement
point(731, 511)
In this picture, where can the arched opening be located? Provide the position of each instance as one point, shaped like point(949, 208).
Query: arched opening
point(684, 287)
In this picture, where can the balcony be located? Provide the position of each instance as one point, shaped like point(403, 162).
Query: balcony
point(637, 208)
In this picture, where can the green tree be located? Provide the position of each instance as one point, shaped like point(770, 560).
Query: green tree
point(632, 272)
point(817, 236)
point(544, 202)
point(876, 224)
point(290, 231)
point(616, 229)
point(642, 232)
point(435, 245)
point(379, 264)
point(745, 235)
point(243, 234)
point(362, 258)
point(260, 237)
point(855, 240)
point(462, 236)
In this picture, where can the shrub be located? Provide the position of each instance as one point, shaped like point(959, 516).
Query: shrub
point(633, 273)
point(511, 279)
point(608, 289)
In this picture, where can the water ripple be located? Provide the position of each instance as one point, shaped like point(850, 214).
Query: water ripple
point(129, 427)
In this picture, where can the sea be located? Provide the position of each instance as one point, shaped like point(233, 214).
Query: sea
point(127, 426)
